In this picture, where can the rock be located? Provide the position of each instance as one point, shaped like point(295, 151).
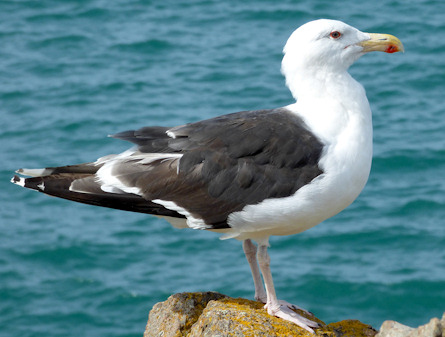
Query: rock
point(212, 314)
point(176, 316)
point(434, 328)
point(351, 328)
point(394, 329)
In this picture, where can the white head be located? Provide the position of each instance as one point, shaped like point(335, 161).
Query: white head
point(321, 48)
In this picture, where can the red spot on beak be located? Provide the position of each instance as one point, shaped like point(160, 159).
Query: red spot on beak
point(392, 49)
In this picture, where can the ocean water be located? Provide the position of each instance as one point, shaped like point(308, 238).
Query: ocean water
point(73, 72)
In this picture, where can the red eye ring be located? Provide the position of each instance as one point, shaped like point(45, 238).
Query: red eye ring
point(335, 34)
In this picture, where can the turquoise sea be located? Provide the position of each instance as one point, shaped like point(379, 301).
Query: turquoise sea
point(72, 72)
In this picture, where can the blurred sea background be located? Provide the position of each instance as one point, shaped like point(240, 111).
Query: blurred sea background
point(73, 72)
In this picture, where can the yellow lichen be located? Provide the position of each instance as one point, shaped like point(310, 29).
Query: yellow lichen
point(254, 317)
point(352, 328)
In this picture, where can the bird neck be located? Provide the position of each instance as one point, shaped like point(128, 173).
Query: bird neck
point(329, 101)
point(310, 82)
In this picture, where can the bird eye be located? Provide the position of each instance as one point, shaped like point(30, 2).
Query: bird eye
point(335, 34)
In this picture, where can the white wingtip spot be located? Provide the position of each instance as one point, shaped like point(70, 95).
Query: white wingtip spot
point(41, 186)
point(18, 181)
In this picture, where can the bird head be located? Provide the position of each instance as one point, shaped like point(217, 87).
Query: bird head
point(325, 47)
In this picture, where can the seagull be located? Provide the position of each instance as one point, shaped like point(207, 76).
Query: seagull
point(253, 174)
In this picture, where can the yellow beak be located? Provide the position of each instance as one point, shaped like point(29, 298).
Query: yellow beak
point(382, 42)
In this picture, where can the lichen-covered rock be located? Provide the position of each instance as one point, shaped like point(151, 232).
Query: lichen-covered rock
point(176, 316)
point(213, 314)
point(240, 317)
point(352, 327)
point(435, 328)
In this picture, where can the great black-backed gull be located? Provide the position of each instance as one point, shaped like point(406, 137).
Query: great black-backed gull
point(250, 174)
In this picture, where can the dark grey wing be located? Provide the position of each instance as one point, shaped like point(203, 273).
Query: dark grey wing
point(224, 163)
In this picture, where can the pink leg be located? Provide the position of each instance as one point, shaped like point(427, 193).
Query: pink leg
point(273, 305)
point(250, 250)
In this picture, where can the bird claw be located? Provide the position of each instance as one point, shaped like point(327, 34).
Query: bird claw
point(285, 311)
point(287, 304)
point(294, 307)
